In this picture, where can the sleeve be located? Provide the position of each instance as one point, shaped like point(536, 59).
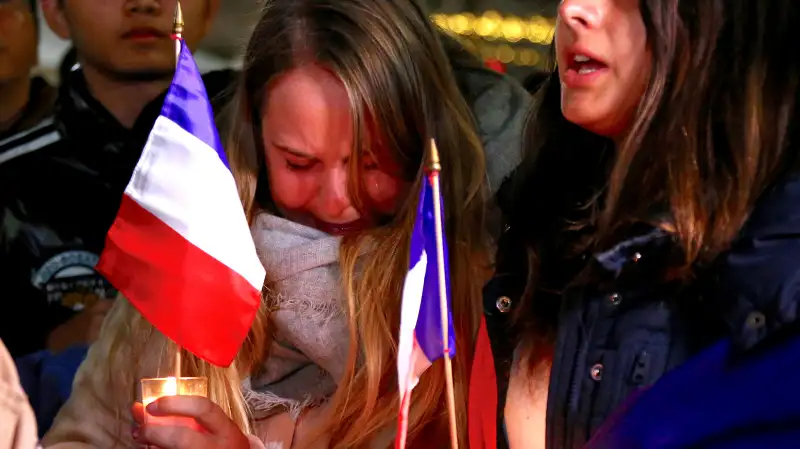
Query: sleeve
point(757, 282)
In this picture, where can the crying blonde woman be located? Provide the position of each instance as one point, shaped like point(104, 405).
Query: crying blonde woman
point(326, 137)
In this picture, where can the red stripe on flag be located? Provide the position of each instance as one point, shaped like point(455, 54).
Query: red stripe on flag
point(189, 296)
point(482, 403)
point(402, 421)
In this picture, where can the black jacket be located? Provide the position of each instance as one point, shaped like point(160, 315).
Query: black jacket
point(60, 187)
point(626, 326)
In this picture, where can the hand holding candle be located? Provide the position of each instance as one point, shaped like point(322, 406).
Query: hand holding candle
point(212, 428)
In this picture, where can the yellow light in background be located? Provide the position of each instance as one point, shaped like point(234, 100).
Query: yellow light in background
point(461, 23)
point(528, 57)
point(513, 29)
point(440, 20)
point(491, 25)
point(540, 30)
point(505, 53)
point(488, 25)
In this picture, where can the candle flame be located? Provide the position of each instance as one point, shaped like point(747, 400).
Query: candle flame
point(170, 387)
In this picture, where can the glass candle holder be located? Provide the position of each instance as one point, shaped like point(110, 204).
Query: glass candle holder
point(154, 388)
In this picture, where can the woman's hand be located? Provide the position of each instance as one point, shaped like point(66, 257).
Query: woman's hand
point(218, 431)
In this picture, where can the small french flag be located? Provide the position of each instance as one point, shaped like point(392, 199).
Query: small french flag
point(180, 248)
point(420, 342)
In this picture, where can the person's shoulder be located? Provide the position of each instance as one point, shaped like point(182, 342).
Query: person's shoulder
point(500, 106)
point(35, 139)
point(757, 281)
point(498, 102)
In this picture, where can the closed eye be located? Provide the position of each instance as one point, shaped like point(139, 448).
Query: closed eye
point(298, 166)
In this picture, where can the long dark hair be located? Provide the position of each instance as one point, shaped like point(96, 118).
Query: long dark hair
point(711, 134)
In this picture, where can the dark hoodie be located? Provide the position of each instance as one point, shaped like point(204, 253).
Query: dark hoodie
point(61, 182)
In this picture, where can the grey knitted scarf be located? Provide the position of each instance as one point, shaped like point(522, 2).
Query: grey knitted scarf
point(311, 335)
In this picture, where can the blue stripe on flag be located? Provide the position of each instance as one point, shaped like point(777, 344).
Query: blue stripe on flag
point(423, 238)
point(187, 104)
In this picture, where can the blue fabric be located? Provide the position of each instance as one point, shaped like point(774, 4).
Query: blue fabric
point(717, 400)
point(428, 330)
point(47, 380)
point(187, 103)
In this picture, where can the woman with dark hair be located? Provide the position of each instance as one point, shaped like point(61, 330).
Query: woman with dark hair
point(656, 213)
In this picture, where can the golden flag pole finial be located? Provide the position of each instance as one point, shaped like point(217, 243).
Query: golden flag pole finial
point(433, 163)
point(177, 30)
point(177, 23)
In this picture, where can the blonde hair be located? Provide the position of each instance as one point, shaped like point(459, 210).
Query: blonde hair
point(393, 65)
point(132, 338)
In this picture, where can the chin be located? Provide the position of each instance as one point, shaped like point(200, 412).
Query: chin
point(580, 117)
point(592, 122)
point(145, 71)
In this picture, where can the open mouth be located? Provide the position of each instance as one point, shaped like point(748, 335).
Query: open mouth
point(584, 65)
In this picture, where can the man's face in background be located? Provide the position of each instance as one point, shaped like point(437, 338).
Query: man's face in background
point(128, 39)
point(18, 40)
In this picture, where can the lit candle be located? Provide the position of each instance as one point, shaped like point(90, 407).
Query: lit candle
point(155, 388)
point(169, 387)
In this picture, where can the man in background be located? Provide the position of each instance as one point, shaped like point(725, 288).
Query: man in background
point(58, 198)
point(24, 101)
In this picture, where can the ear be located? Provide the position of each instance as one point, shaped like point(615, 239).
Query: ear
point(54, 15)
point(211, 14)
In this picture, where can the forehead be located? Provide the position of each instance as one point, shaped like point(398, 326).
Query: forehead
point(308, 110)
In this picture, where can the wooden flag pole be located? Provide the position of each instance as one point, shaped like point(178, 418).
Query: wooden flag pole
point(177, 31)
point(434, 168)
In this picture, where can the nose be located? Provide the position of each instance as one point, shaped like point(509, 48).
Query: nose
point(336, 204)
point(148, 7)
point(581, 13)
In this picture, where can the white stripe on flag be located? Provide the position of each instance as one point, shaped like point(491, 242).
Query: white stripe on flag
point(408, 368)
point(182, 181)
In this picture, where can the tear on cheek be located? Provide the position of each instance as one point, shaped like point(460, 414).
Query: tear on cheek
point(389, 195)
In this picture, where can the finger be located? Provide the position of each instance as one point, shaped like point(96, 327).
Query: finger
point(205, 412)
point(138, 412)
point(173, 437)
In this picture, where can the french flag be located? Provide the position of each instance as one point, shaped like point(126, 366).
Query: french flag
point(420, 342)
point(180, 248)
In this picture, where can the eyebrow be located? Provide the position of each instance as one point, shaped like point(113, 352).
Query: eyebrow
point(292, 151)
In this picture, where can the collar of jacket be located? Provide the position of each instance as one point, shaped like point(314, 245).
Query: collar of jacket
point(83, 119)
